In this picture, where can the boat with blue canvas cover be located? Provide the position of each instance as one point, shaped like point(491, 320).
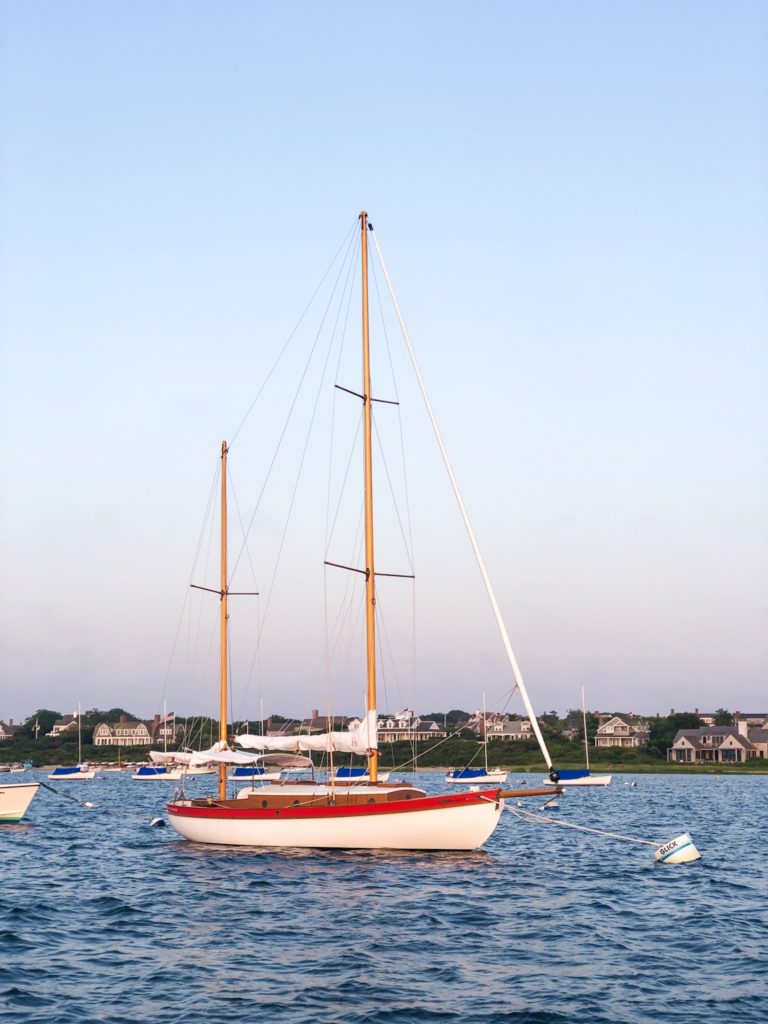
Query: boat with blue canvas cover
point(77, 773)
point(253, 773)
point(347, 774)
point(478, 776)
point(161, 772)
point(578, 776)
point(492, 776)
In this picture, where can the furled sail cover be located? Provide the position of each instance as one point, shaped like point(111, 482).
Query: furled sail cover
point(220, 753)
point(354, 741)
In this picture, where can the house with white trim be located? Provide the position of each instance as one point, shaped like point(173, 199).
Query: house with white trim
point(123, 733)
point(621, 731)
point(66, 724)
point(719, 744)
point(405, 725)
point(8, 730)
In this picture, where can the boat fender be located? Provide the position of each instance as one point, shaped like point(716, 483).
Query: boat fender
point(157, 823)
point(681, 850)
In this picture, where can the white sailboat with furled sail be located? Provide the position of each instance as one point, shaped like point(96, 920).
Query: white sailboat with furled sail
point(367, 815)
point(580, 776)
point(79, 772)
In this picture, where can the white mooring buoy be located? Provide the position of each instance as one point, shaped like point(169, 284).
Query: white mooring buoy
point(157, 823)
point(677, 851)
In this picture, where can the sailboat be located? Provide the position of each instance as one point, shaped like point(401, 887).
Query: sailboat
point(79, 772)
point(269, 767)
point(371, 815)
point(580, 776)
point(159, 772)
point(478, 776)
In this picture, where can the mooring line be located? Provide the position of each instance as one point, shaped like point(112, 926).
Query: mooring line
point(523, 815)
point(66, 796)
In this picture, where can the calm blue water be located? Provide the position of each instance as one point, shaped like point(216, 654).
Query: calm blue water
point(105, 919)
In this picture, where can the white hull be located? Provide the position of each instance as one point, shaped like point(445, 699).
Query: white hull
point(459, 827)
point(490, 778)
point(266, 777)
point(172, 776)
point(588, 780)
point(383, 777)
point(75, 776)
point(14, 801)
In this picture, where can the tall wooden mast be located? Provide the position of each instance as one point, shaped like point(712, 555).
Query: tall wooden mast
point(370, 591)
point(224, 618)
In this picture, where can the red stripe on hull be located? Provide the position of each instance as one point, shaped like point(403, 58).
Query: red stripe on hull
point(430, 803)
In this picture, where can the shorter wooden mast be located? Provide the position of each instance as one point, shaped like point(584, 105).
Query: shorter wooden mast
point(224, 619)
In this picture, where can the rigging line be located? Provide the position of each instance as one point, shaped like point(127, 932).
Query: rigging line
point(185, 602)
point(331, 446)
point(344, 612)
point(198, 629)
point(449, 736)
point(242, 528)
point(465, 517)
point(250, 562)
point(293, 406)
point(346, 240)
point(352, 451)
point(399, 412)
point(295, 489)
point(382, 634)
point(331, 449)
point(393, 496)
point(510, 695)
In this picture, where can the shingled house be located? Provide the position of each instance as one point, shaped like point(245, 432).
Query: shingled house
point(620, 731)
point(8, 729)
point(718, 744)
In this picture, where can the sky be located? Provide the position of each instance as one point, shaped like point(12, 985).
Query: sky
point(571, 199)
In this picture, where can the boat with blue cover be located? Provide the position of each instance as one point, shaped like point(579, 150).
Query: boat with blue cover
point(77, 773)
point(578, 776)
point(477, 776)
point(160, 772)
point(253, 773)
point(348, 774)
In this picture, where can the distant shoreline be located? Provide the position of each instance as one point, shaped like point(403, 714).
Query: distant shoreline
point(689, 769)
